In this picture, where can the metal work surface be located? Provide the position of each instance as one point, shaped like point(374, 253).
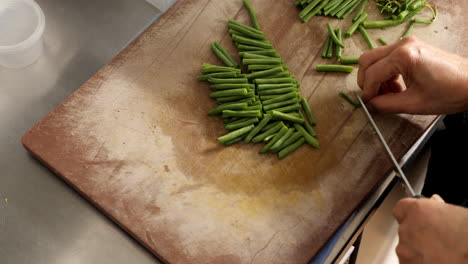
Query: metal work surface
point(41, 219)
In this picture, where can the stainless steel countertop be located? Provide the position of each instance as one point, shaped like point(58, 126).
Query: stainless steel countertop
point(42, 220)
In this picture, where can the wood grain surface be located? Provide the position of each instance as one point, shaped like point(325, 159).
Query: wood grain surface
point(136, 140)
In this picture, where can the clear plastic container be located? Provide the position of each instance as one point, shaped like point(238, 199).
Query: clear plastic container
point(162, 5)
point(22, 25)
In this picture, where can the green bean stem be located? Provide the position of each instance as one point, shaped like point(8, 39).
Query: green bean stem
point(334, 68)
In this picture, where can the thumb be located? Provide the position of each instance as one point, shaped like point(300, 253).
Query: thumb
point(437, 198)
point(394, 103)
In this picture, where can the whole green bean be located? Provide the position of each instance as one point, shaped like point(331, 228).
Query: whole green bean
point(282, 116)
point(325, 47)
point(355, 25)
point(247, 113)
point(269, 53)
point(333, 36)
point(217, 75)
point(349, 60)
point(225, 86)
point(308, 111)
point(252, 14)
point(254, 67)
point(221, 56)
point(229, 81)
point(274, 86)
point(383, 41)
point(254, 132)
point(275, 139)
point(230, 92)
point(286, 109)
point(252, 42)
point(295, 136)
point(246, 32)
point(281, 98)
point(235, 134)
point(209, 68)
point(268, 61)
point(360, 10)
point(277, 91)
point(221, 108)
point(277, 146)
point(334, 68)
point(251, 29)
point(308, 138)
point(366, 37)
point(315, 11)
point(270, 131)
point(280, 104)
point(309, 8)
point(265, 73)
point(230, 61)
point(307, 126)
point(339, 50)
point(249, 48)
point(236, 126)
point(287, 150)
point(235, 98)
point(330, 49)
point(286, 80)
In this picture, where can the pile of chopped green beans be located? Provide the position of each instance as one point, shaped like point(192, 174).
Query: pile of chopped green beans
point(333, 8)
point(264, 104)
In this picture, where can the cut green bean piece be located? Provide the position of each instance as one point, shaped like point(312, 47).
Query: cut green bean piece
point(280, 98)
point(248, 48)
point(268, 97)
point(246, 100)
point(235, 120)
point(226, 86)
point(267, 61)
point(257, 56)
point(315, 11)
point(230, 92)
point(332, 4)
point(234, 141)
point(423, 21)
point(308, 111)
point(209, 68)
point(274, 86)
point(293, 138)
point(270, 131)
point(280, 104)
point(246, 113)
point(309, 139)
point(221, 108)
point(239, 33)
point(351, 102)
point(330, 49)
point(274, 81)
point(291, 148)
point(409, 30)
point(236, 126)
point(269, 137)
point(346, 10)
point(217, 75)
point(217, 47)
point(334, 68)
point(340, 7)
point(276, 146)
point(339, 50)
point(349, 60)
point(325, 47)
point(221, 56)
point(307, 126)
point(229, 81)
point(254, 132)
point(270, 53)
point(333, 36)
point(286, 109)
point(246, 32)
point(366, 37)
point(277, 91)
point(235, 134)
point(355, 25)
point(254, 67)
point(235, 98)
point(254, 107)
point(251, 42)
point(265, 73)
point(251, 29)
point(383, 41)
point(282, 116)
point(267, 127)
point(252, 14)
point(360, 10)
point(275, 139)
point(309, 8)
point(278, 75)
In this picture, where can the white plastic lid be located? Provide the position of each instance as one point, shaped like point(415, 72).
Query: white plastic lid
point(22, 25)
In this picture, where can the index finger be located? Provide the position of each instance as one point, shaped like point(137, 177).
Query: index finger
point(371, 57)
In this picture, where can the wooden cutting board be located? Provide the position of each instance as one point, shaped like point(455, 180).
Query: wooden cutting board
point(136, 140)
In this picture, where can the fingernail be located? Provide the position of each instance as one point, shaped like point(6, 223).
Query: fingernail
point(436, 197)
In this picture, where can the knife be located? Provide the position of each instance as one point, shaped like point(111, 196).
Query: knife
point(389, 152)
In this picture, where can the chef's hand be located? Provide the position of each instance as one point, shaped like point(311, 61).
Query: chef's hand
point(436, 81)
point(431, 231)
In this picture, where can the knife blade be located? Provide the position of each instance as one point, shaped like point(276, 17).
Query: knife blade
point(389, 152)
